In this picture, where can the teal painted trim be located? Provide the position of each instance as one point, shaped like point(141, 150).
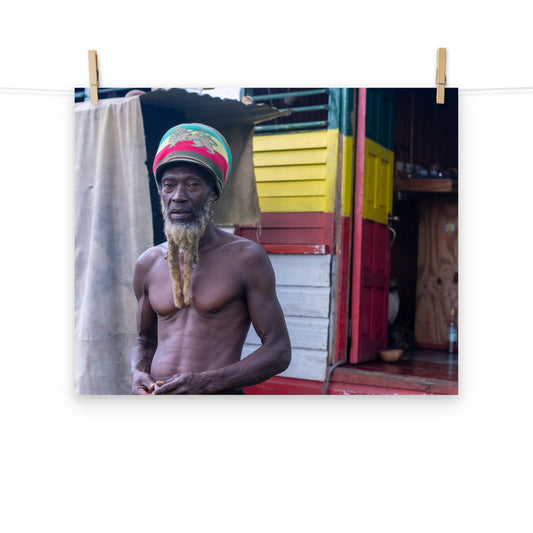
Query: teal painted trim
point(379, 123)
point(347, 103)
point(298, 125)
point(334, 115)
point(310, 92)
point(307, 108)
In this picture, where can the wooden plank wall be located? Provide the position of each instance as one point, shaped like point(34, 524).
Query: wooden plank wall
point(293, 233)
point(297, 171)
point(303, 287)
point(437, 280)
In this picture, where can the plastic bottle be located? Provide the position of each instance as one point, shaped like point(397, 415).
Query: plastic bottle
point(452, 332)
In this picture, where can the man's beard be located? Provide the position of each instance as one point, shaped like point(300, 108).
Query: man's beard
point(185, 237)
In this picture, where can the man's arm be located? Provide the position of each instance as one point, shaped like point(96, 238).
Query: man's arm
point(143, 352)
point(267, 318)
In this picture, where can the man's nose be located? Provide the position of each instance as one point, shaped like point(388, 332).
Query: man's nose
point(180, 193)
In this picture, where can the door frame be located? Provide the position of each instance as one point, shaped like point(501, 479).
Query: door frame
point(362, 328)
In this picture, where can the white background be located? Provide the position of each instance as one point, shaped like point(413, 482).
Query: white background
point(367, 464)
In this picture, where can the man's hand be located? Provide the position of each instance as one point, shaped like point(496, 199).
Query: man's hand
point(186, 383)
point(142, 383)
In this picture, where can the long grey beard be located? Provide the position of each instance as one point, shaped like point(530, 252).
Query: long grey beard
point(184, 238)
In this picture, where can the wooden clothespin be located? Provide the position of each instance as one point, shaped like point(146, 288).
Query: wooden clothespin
point(93, 76)
point(441, 74)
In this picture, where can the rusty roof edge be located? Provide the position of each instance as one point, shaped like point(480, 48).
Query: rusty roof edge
point(227, 110)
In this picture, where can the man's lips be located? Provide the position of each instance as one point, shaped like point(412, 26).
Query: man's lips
point(180, 214)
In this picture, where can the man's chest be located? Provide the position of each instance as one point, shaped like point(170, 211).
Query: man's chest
point(213, 287)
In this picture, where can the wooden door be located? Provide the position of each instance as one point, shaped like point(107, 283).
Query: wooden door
point(372, 207)
point(437, 279)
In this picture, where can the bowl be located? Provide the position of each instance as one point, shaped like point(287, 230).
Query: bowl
point(390, 356)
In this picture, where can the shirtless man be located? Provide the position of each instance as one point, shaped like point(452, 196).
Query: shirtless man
point(198, 292)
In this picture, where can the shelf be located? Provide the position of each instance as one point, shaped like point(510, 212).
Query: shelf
point(425, 185)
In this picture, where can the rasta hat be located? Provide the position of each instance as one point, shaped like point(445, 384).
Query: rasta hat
point(196, 144)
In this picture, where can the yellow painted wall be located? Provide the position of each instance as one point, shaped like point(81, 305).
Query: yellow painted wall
point(377, 188)
point(347, 176)
point(297, 172)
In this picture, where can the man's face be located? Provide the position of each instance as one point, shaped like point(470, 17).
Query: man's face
point(185, 191)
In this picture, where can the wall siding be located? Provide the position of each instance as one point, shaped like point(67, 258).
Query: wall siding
point(296, 233)
point(303, 288)
point(296, 171)
point(305, 332)
point(312, 301)
point(305, 364)
point(302, 270)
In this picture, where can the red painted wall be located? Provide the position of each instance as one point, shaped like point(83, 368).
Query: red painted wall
point(293, 232)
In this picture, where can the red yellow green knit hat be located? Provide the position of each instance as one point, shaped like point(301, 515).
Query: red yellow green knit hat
point(197, 144)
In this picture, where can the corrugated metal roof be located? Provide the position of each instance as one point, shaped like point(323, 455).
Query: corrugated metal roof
point(217, 112)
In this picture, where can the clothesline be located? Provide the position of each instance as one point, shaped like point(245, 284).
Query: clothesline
point(494, 89)
point(35, 90)
point(71, 91)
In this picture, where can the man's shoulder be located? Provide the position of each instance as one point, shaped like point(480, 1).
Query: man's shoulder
point(145, 265)
point(249, 259)
point(244, 248)
point(149, 257)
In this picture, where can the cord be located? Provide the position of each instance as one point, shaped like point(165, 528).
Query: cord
point(326, 381)
point(393, 237)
